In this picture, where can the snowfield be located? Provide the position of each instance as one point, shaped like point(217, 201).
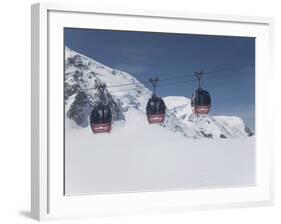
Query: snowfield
point(137, 156)
point(184, 152)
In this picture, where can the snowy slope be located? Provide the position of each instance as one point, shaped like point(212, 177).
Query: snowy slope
point(81, 73)
point(143, 157)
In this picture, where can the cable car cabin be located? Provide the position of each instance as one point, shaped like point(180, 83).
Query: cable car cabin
point(201, 102)
point(100, 119)
point(155, 110)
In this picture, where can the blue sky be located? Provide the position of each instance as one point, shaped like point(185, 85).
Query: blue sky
point(147, 55)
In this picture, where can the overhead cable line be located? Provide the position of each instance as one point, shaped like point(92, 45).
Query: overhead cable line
point(175, 77)
point(183, 76)
point(184, 82)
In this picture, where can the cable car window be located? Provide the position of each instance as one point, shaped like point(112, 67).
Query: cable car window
point(105, 113)
point(157, 106)
point(100, 113)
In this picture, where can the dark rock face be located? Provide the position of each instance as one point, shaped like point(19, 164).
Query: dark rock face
point(70, 90)
point(80, 110)
point(77, 61)
point(249, 131)
point(206, 135)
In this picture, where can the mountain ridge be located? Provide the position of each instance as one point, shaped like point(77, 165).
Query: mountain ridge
point(81, 74)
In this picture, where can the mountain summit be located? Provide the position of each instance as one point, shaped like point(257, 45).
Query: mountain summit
point(127, 98)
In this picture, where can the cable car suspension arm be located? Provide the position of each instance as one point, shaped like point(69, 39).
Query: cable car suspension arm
point(199, 76)
point(154, 83)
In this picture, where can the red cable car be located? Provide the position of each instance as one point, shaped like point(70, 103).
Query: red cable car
point(201, 102)
point(201, 99)
point(101, 116)
point(100, 119)
point(155, 108)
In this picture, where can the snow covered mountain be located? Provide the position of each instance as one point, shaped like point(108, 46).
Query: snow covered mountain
point(207, 126)
point(127, 96)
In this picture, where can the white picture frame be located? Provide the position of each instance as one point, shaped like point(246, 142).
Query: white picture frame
point(47, 196)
